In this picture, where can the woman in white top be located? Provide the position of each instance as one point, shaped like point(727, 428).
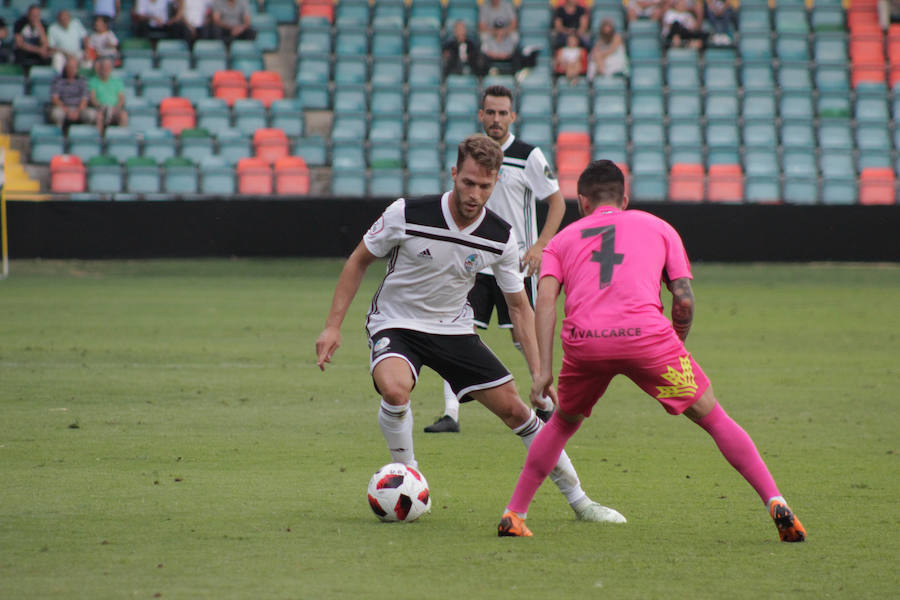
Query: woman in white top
point(607, 57)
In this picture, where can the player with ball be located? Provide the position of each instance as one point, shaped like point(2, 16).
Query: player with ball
point(435, 246)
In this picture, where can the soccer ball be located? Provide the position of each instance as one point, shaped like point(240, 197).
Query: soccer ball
point(398, 492)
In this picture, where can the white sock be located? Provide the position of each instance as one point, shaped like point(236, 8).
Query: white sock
point(546, 401)
point(396, 424)
point(563, 474)
point(451, 404)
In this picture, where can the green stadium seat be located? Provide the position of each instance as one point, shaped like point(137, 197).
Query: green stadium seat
point(158, 144)
point(12, 82)
point(104, 175)
point(216, 177)
point(833, 105)
point(142, 176)
point(385, 155)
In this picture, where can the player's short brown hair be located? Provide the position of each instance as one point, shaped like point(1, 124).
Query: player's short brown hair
point(497, 91)
point(482, 149)
point(602, 182)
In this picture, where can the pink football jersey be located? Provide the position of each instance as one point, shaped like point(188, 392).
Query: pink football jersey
point(611, 264)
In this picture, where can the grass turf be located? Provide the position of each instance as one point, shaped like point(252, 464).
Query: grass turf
point(166, 433)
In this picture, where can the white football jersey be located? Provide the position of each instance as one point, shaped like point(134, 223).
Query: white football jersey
point(524, 176)
point(432, 265)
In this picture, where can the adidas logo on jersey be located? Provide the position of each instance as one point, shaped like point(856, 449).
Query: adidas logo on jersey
point(426, 253)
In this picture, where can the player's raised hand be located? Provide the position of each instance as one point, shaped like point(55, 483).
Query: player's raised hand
point(329, 341)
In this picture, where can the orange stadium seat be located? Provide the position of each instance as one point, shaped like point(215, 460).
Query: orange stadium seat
point(726, 183)
point(177, 114)
point(317, 8)
point(291, 176)
point(266, 86)
point(254, 176)
point(229, 86)
point(270, 144)
point(686, 182)
point(877, 186)
point(67, 174)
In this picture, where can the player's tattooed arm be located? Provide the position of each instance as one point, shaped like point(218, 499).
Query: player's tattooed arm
point(682, 306)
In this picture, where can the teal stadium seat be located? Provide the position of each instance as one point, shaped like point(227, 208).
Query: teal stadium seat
point(350, 99)
point(838, 178)
point(800, 181)
point(458, 128)
point(316, 70)
point(386, 129)
point(348, 182)
point(40, 78)
point(798, 134)
point(755, 45)
point(830, 48)
point(754, 19)
point(790, 19)
point(192, 85)
point(758, 106)
point(180, 176)
point(233, 144)
point(424, 72)
point(137, 60)
point(646, 76)
point(351, 42)
point(387, 101)
point(760, 134)
point(648, 132)
point(142, 176)
point(835, 134)
point(388, 43)
point(210, 56)
point(682, 77)
point(795, 77)
point(27, 112)
point(425, 101)
point(792, 48)
point(832, 78)
point(756, 76)
point(158, 144)
point(84, 141)
point(348, 128)
point(425, 16)
point(121, 143)
point(156, 86)
point(761, 176)
point(796, 106)
point(104, 175)
point(245, 57)
point(538, 132)
point(721, 105)
point(196, 144)
point(313, 149)
point(646, 104)
point(213, 114)
point(12, 82)
point(421, 183)
point(266, 26)
point(613, 103)
point(389, 183)
point(46, 141)
point(216, 177)
point(348, 156)
point(173, 56)
point(423, 128)
point(387, 72)
point(389, 15)
point(352, 13)
point(720, 77)
point(287, 114)
point(425, 45)
point(284, 11)
point(423, 157)
point(825, 18)
point(249, 115)
point(313, 40)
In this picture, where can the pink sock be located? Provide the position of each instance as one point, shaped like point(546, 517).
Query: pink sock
point(737, 447)
point(543, 455)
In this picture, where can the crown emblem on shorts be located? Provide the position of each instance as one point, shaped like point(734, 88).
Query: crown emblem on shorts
point(683, 383)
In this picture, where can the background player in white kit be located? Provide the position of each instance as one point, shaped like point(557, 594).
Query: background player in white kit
point(524, 176)
point(419, 316)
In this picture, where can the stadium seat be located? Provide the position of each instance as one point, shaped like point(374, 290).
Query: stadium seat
point(317, 9)
point(213, 114)
point(755, 45)
point(790, 19)
point(233, 145)
point(287, 114)
point(425, 101)
point(387, 72)
point(245, 57)
point(425, 44)
point(351, 41)
point(761, 183)
point(210, 56)
point(270, 144)
point(386, 155)
point(104, 175)
point(839, 181)
point(266, 86)
point(721, 105)
point(646, 75)
point(267, 36)
point(725, 183)
point(387, 102)
point(351, 14)
point(314, 39)
point(686, 183)
point(142, 175)
point(156, 86)
point(315, 70)
point(387, 43)
point(795, 77)
point(254, 176)
point(424, 72)
point(67, 174)
point(835, 134)
point(350, 99)
point(84, 141)
point(873, 138)
point(176, 114)
point(141, 114)
point(121, 143)
point(284, 11)
point(386, 128)
point(830, 49)
point(348, 182)
point(682, 76)
point(180, 176)
point(348, 128)
point(757, 76)
point(291, 176)
point(192, 85)
point(216, 176)
point(796, 106)
point(800, 185)
point(754, 19)
point(421, 183)
point(647, 104)
point(173, 56)
point(159, 144)
point(196, 144)
point(137, 60)
point(720, 77)
point(348, 156)
point(389, 183)
point(758, 106)
point(613, 104)
point(27, 112)
point(249, 115)
point(798, 134)
point(423, 158)
point(792, 48)
point(350, 70)
point(313, 149)
point(760, 133)
point(12, 82)
point(877, 185)
point(423, 129)
point(229, 86)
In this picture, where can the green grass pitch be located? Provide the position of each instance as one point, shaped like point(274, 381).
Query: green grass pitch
point(164, 432)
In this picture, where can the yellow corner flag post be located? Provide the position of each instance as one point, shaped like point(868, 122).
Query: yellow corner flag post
point(4, 241)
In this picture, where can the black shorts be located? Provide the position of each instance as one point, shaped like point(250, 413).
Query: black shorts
point(486, 294)
point(462, 360)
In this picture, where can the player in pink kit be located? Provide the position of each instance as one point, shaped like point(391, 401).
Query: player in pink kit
point(611, 263)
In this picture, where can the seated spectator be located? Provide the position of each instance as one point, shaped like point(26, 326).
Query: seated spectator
point(497, 21)
point(721, 19)
point(66, 38)
point(462, 52)
point(231, 20)
point(197, 18)
point(570, 17)
point(680, 26)
point(69, 97)
point(102, 43)
point(645, 9)
point(500, 51)
point(570, 59)
point(157, 19)
point(607, 57)
point(107, 8)
point(31, 47)
point(7, 51)
point(107, 96)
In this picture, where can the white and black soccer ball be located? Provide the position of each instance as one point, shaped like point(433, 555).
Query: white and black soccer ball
point(398, 492)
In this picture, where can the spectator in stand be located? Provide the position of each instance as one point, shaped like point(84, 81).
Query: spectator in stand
point(462, 52)
point(7, 51)
point(570, 17)
point(157, 19)
point(231, 20)
point(497, 21)
point(570, 59)
point(107, 8)
point(197, 18)
point(66, 38)
point(31, 39)
point(107, 95)
point(69, 97)
point(681, 27)
point(607, 57)
point(721, 18)
point(102, 43)
point(646, 9)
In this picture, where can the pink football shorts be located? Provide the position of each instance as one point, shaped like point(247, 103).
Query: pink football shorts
point(674, 379)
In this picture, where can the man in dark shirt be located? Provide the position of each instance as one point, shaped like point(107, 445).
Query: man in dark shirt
point(31, 39)
point(462, 52)
point(570, 17)
point(69, 97)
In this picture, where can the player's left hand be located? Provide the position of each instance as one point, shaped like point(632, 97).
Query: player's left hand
point(542, 387)
point(531, 262)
